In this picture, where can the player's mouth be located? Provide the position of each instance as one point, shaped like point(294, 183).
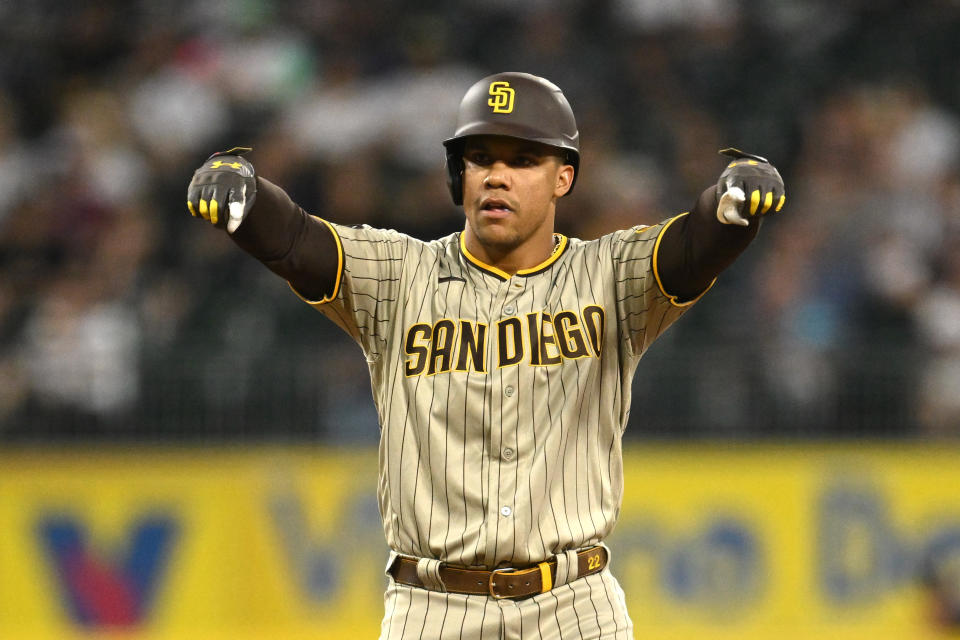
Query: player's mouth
point(496, 208)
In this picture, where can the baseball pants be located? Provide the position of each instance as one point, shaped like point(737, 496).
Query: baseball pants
point(589, 608)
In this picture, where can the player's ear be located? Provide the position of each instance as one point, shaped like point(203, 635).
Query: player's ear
point(564, 180)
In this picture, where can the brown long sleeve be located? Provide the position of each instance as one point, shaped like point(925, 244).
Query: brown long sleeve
point(697, 247)
point(296, 246)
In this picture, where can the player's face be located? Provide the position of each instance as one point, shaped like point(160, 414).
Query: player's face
point(510, 189)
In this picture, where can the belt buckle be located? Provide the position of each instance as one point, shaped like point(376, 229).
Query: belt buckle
point(493, 574)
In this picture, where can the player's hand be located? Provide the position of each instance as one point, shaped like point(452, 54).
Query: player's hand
point(748, 187)
point(223, 189)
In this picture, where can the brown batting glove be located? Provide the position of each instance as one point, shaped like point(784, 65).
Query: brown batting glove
point(223, 189)
point(748, 187)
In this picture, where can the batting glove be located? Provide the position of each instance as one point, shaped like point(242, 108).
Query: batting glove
point(750, 185)
point(223, 189)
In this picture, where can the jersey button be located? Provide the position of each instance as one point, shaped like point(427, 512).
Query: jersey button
point(509, 310)
point(508, 390)
point(505, 511)
point(508, 454)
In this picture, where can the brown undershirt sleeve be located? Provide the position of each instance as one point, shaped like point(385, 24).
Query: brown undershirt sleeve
point(697, 247)
point(296, 246)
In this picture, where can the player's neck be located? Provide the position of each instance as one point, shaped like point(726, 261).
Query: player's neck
point(511, 259)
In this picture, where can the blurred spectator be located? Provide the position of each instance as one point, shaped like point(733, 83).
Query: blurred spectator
point(938, 317)
point(81, 353)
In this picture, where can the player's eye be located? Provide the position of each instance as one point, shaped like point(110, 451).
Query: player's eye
point(478, 157)
point(525, 161)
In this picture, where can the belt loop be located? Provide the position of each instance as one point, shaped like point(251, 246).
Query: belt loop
point(428, 570)
point(567, 568)
point(390, 560)
point(607, 549)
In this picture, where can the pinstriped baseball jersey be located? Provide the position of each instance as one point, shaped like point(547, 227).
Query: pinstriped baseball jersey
point(501, 399)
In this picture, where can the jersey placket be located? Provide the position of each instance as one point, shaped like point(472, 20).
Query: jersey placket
point(505, 400)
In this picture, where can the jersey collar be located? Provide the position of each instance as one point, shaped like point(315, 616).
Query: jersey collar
point(559, 246)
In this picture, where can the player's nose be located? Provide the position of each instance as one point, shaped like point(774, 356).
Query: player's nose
point(498, 176)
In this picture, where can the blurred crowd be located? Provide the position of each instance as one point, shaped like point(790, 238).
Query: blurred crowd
point(122, 318)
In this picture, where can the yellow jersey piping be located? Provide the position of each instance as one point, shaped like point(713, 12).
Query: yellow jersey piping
point(339, 278)
point(561, 246)
point(562, 242)
point(656, 270)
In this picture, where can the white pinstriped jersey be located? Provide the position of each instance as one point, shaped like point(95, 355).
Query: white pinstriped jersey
point(501, 399)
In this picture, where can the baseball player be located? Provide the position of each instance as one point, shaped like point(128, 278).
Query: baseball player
point(501, 359)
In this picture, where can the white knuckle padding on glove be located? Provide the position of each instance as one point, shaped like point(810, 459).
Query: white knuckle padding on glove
point(236, 208)
point(728, 211)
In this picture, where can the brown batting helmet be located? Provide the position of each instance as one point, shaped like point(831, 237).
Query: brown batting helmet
point(518, 105)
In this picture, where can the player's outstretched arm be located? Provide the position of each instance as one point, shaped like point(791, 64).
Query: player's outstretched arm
point(697, 247)
point(262, 219)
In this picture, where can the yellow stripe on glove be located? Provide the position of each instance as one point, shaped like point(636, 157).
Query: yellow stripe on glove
point(767, 202)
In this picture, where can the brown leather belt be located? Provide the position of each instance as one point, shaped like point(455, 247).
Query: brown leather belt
point(511, 583)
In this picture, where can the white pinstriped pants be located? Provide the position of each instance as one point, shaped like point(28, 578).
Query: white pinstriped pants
point(589, 608)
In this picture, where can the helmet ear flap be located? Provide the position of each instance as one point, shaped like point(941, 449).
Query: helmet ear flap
point(455, 174)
